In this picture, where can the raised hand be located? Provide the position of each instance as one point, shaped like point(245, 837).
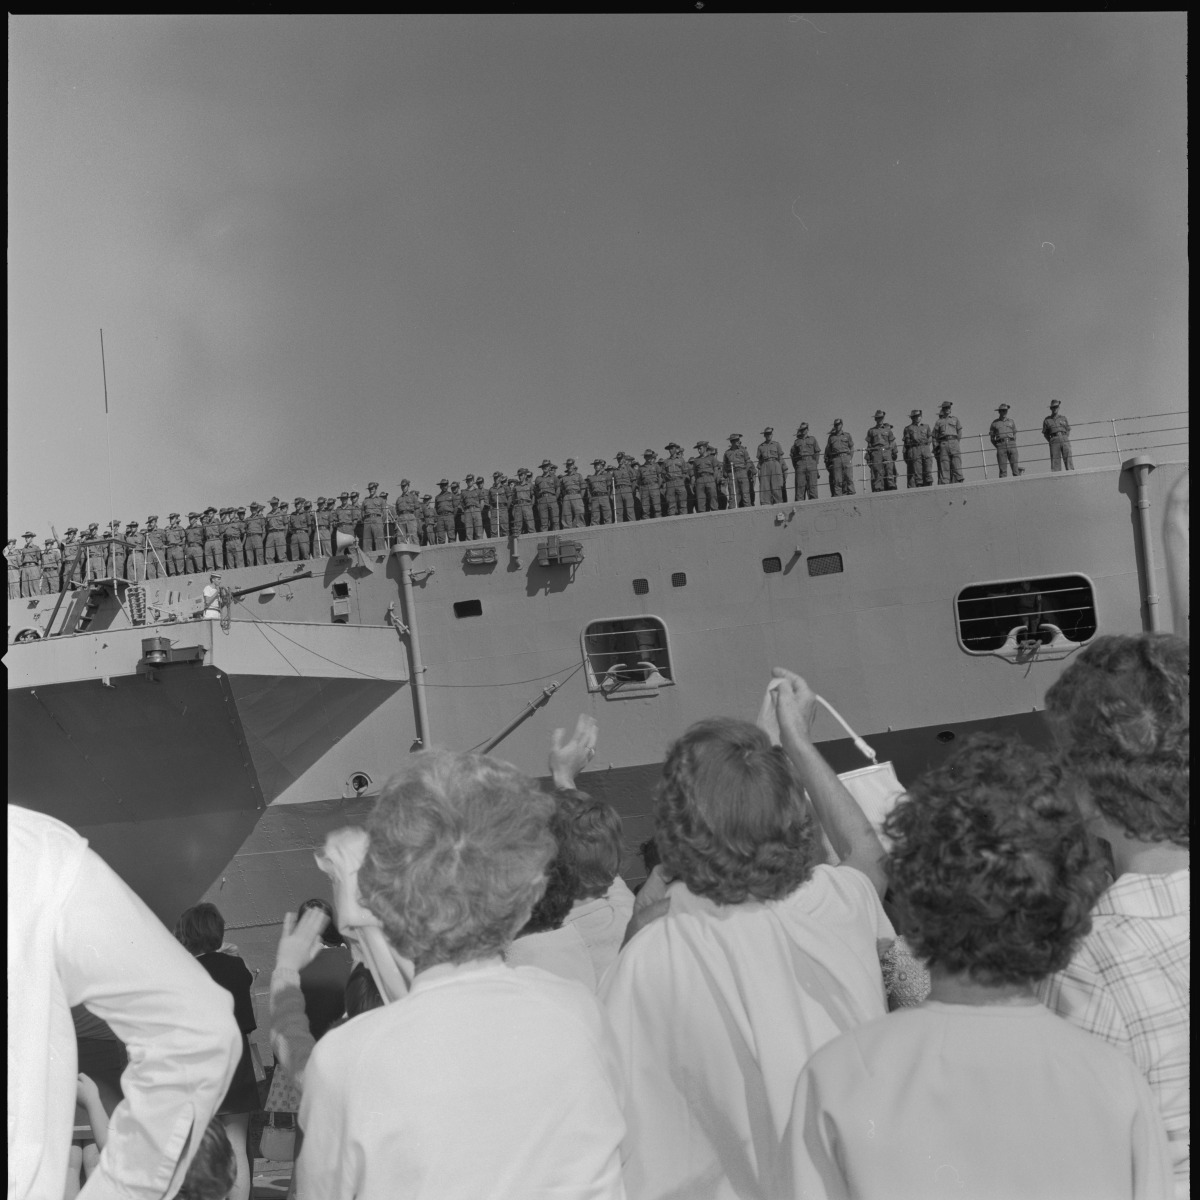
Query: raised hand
point(300, 939)
point(569, 756)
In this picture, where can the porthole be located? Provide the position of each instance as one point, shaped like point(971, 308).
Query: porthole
point(772, 566)
point(947, 735)
point(360, 781)
point(641, 587)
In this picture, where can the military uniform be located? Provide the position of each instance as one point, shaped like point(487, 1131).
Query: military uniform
point(806, 458)
point(299, 532)
point(545, 489)
point(1003, 435)
point(881, 454)
point(233, 532)
point(522, 503)
point(599, 504)
point(214, 553)
point(497, 499)
point(30, 559)
point(649, 479)
point(374, 511)
point(445, 505)
point(356, 517)
point(72, 568)
point(1056, 429)
point(624, 477)
point(97, 554)
point(173, 539)
point(839, 461)
point(947, 431)
point(12, 557)
point(51, 568)
point(275, 545)
point(570, 488)
point(135, 555)
point(703, 471)
point(674, 476)
point(472, 509)
point(772, 486)
point(918, 451)
point(739, 472)
point(408, 513)
point(428, 520)
point(155, 548)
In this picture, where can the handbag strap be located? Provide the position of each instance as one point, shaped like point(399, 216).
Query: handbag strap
point(862, 746)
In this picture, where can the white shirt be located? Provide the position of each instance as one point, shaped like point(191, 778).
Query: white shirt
point(78, 935)
point(601, 923)
point(717, 1008)
point(484, 1081)
point(979, 1102)
point(560, 951)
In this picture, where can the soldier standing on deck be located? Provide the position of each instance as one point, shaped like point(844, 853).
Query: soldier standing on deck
point(341, 516)
point(571, 491)
point(71, 573)
point(193, 545)
point(95, 553)
point(12, 556)
point(173, 538)
point(1056, 429)
point(408, 513)
point(428, 519)
point(51, 568)
point(545, 489)
point(649, 479)
point(624, 477)
point(772, 483)
point(256, 535)
point(522, 502)
point(299, 527)
point(498, 500)
point(154, 547)
point(597, 485)
point(275, 547)
point(703, 468)
point(674, 477)
point(806, 458)
point(918, 453)
point(839, 461)
point(1003, 434)
point(373, 510)
point(234, 533)
point(881, 454)
point(30, 559)
point(472, 508)
point(739, 471)
point(135, 557)
point(947, 431)
point(446, 507)
point(356, 517)
point(320, 545)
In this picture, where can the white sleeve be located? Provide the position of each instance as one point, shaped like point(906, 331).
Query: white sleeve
point(115, 956)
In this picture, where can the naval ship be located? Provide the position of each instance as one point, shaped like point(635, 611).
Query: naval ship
point(206, 742)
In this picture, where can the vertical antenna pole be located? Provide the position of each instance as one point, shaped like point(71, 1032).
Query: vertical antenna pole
point(107, 434)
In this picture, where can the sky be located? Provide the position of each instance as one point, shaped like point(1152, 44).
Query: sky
point(329, 250)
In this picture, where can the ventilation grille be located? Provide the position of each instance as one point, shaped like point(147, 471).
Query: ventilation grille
point(641, 587)
point(825, 564)
point(772, 566)
point(679, 579)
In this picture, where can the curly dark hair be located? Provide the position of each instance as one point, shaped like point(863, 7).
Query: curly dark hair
point(991, 867)
point(1120, 716)
point(201, 928)
point(213, 1172)
point(731, 818)
point(562, 877)
point(330, 935)
point(595, 831)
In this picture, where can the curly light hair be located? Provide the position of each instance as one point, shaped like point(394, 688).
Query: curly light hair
point(595, 833)
point(459, 845)
point(731, 818)
point(991, 865)
point(1120, 716)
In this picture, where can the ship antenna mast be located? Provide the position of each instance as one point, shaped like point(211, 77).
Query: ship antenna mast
point(107, 433)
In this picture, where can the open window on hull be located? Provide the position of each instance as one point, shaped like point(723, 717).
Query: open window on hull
point(1047, 616)
point(627, 656)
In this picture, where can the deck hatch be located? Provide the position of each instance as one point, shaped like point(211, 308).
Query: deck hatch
point(627, 652)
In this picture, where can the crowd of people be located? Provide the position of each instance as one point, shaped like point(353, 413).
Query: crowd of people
point(232, 537)
point(986, 996)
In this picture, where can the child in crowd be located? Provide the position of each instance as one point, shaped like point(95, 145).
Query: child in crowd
point(980, 1091)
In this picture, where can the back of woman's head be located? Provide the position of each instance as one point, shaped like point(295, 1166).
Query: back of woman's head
point(991, 867)
point(731, 818)
point(362, 994)
point(459, 845)
point(1121, 717)
point(213, 1172)
point(201, 928)
point(594, 830)
point(330, 935)
point(562, 878)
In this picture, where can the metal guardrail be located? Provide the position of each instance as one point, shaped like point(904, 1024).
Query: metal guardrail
point(1093, 444)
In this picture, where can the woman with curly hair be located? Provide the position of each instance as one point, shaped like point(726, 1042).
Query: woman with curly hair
point(1121, 717)
point(764, 954)
point(981, 1091)
point(485, 1079)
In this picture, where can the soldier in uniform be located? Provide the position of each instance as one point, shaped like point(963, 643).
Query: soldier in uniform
point(881, 454)
point(135, 556)
point(839, 461)
point(255, 526)
point(30, 559)
point(233, 532)
point(1003, 434)
point(356, 517)
point(1056, 429)
point(445, 505)
point(322, 519)
point(275, 547)
point(570, 489)
point(214, 551)
point(193, 545)
point(522, 502)
point(153, 545)
point(173, 538)
point(498, 499)
point(341, 516)
point(918, 452)
point(12, 556)
point(806, 458)
point(373, 510)
point(599, 505)
point(459, 532)
point(947, 431)
point(408, 513)
point(674, 477)
point(624, 476)
point(96, 554)
point(71, 572)
point(472, 508)
point(428, 520)
point(299, 528)
point(773, 482)
point(703, 470)
point(545, 489)
point(51, 568)
point(739, 472)
point(649, 479)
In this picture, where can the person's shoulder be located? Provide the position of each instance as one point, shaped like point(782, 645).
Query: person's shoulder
point(30, 827)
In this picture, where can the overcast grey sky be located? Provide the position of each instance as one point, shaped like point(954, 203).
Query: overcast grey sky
point(329, 250)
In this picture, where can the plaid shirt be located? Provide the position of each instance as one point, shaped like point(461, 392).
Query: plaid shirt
point(1129, 984)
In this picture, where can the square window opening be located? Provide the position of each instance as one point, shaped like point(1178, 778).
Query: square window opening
point(627, 651)
point(986, 614)
point(468, 608)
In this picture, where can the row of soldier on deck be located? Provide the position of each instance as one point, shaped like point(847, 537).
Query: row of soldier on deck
point(229, 538)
